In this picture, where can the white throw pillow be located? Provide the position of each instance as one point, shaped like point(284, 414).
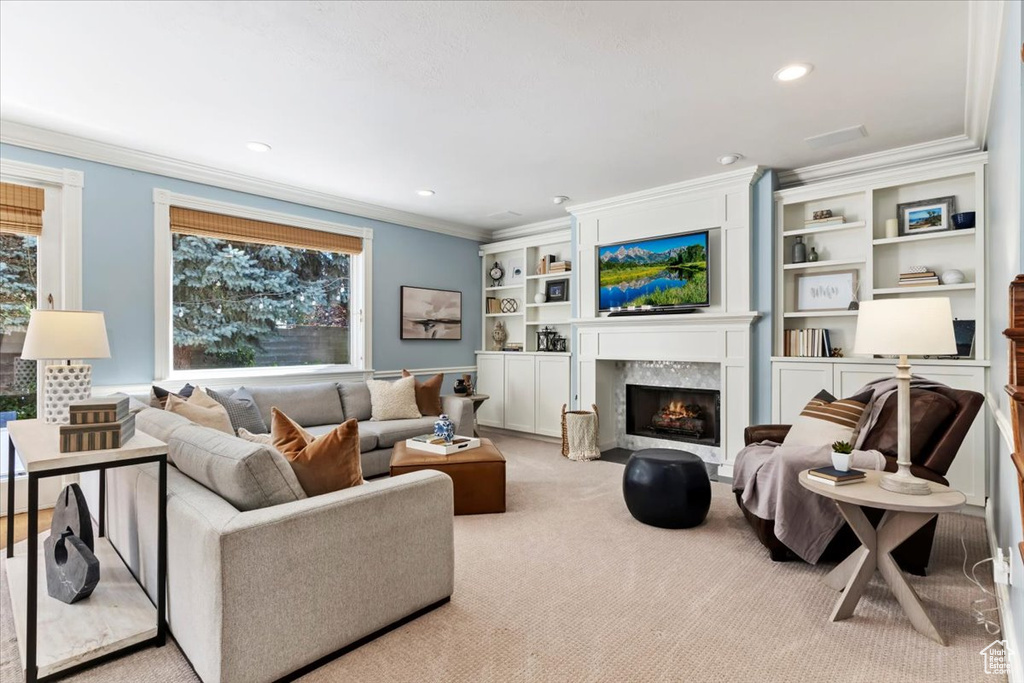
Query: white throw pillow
point(393, 400)
point(825, 420)
point(264, 439)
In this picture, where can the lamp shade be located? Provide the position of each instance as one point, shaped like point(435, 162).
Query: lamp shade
point(65, 335)
point(910, 327)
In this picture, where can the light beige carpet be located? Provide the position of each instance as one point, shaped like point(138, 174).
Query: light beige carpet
point(566, 586)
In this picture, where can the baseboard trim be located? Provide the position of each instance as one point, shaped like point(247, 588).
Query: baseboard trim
point(522, 435)
point(1009, 628)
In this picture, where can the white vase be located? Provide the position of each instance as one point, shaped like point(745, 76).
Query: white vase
point(539, 298)
point(841, 461)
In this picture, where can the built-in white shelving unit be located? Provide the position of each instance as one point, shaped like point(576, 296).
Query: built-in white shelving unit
point(527, 388)
point(860, 244)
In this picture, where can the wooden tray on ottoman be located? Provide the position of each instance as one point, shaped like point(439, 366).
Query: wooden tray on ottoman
point(478, 475)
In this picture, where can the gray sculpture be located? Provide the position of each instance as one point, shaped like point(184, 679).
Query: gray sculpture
point(72, 570)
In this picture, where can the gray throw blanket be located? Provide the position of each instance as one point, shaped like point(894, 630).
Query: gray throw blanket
point(766, 475)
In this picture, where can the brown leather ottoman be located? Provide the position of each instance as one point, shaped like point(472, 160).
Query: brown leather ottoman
point(478, 475)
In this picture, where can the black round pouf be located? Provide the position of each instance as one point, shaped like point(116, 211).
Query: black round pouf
point(667, 488)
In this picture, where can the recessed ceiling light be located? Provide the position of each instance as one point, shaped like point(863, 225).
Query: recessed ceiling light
point(425, 193)
point(560, 199)
point(255, 146)
point(727, 159)
point(792, 72)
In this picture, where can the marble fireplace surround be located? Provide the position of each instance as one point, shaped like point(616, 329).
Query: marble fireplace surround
point(698, 350)
point(662, 374)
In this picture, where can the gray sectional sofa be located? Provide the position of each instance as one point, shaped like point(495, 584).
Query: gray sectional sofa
point(263, 581)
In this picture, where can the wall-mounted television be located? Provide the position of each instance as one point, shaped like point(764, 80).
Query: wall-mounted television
point(667, 274)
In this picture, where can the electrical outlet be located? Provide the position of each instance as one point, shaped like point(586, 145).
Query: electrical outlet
point(1001, 567)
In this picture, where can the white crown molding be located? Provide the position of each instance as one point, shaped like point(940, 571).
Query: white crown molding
point(984, 26)
point(747, 175)
point(32, 137)
point(551, 236)
point(529, 229)
point(884, 175)
point(878, 160)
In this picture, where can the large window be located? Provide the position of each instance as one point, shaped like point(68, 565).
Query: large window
point(239, 305)
point(250, 292)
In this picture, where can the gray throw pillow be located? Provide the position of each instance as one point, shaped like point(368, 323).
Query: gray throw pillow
point(355, 397)
point(242, 410)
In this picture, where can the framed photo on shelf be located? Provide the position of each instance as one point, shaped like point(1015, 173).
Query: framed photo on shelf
point(832, 291)
point(430, 313)
point(926, 215)
point(557, 290)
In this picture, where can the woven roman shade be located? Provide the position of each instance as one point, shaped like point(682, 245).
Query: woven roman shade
point(21, 209)
point(219, 226)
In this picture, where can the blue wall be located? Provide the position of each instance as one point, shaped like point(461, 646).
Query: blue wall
point(117, 268)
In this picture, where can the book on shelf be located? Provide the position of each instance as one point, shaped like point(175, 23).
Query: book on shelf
point(807, 343)
point(493, 305)
point(560, 267)
point(918, 278)
point(834, 477)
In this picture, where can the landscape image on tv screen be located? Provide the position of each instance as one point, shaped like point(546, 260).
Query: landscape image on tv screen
point(667, 271)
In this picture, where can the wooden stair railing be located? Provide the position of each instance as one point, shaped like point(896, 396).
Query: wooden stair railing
point(1015, 388)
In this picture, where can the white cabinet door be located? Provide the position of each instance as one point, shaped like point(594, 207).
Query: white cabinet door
point(794, 384)
point(967, 473)
point(490, 380)
point(552, 392)
point(520, 373)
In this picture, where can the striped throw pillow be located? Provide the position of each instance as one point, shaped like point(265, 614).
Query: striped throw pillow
point(826, 419)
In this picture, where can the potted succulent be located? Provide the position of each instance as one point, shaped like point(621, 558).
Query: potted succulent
point(841, 451)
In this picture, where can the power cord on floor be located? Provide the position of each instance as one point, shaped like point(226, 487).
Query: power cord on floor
point(981, 615)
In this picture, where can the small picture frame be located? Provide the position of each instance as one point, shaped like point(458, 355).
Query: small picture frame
point(832, 291)
point(925, 216)
point(557, 290)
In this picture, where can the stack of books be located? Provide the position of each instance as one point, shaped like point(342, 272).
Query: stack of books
point(493, 305)
point(919, 276)
point(822, 222)
point(834, 477)
point(807, 343)
point(97, 424)
point(560, 267)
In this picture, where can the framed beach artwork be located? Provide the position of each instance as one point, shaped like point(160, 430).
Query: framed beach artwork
point(431, 313)
point(927, 215)
point(826, 291)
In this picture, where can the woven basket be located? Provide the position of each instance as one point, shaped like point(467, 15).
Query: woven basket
point(579, 434)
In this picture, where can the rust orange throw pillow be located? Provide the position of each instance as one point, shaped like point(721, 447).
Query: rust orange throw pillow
point(322, 464)
point(428, 394)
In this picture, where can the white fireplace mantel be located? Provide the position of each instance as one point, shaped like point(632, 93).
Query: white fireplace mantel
point(721, 333)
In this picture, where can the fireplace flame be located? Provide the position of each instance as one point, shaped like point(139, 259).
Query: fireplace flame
point(677, 410)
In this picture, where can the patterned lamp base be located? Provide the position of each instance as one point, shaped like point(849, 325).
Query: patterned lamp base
point(63, 385)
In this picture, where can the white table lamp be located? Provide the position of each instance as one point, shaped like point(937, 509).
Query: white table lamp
point(65, 336)
point(905, 327)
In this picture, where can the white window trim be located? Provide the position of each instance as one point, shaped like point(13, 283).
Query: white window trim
point(361, 282)
point(59, 258)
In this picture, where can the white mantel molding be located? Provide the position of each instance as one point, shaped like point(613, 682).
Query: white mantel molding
point(33, 137)
point(717, 182)
point(669, 320)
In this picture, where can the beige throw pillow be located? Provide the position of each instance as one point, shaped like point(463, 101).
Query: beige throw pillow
point(393, 400)
point(202, 410)
point(264, 439)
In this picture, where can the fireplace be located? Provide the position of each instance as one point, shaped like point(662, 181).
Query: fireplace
point(676, 413)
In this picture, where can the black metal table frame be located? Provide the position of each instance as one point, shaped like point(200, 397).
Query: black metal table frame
point(31, 668)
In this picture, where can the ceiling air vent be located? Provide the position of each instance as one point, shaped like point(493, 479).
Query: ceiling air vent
point(837, 137)
point(503, 215)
